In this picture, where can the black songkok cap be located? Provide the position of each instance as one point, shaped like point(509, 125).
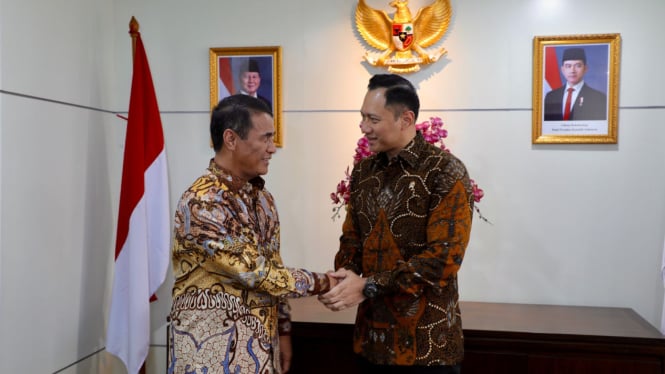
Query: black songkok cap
point(574, 54)
point(250, 66)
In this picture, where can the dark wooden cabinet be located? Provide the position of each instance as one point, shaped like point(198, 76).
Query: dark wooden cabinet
point(514, 338)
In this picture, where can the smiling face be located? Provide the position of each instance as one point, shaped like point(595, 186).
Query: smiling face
point(385, 131)
point(250, 82)
point(573, 71)
point(252, 155)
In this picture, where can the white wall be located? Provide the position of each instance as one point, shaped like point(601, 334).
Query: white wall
point(2, 103)
point(57, 217)
point(572, 224)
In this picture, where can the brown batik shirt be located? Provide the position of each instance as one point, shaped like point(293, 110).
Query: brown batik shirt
point(407, 227)
point(229, 305)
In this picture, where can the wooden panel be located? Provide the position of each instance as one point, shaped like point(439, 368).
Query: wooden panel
point(580, 364)
point(323, 348)
point(516, 339)
point(556, 319)
point(495, 362)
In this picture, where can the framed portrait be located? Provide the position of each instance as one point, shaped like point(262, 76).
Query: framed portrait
point(255, 71)
point(575, 88)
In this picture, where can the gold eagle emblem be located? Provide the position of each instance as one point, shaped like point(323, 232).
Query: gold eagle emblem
point(399, 37)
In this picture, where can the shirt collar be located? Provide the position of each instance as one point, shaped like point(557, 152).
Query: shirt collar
point(577, 87)
point(409, 153)
point(256, 94)
point(235, 183)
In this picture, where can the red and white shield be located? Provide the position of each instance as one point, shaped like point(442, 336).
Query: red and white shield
point(402, 35)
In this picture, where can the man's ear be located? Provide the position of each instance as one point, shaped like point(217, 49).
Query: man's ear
point(230, 139)
point(408, 118)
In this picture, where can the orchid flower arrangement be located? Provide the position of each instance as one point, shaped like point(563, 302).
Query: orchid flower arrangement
point(432, 131)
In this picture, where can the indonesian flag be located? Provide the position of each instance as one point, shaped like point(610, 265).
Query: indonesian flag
point(143, 237)
point(552, 74)
point(225, 81)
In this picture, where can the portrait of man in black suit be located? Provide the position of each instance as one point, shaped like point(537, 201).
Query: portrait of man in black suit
point(249, 78)
point(575, 100)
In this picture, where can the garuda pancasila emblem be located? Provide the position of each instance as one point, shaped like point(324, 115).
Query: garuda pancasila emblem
point(399, 37)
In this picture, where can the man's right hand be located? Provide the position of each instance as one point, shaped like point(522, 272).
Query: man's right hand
point(347, 293)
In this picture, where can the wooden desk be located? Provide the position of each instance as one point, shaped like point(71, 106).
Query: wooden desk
point(507, 338)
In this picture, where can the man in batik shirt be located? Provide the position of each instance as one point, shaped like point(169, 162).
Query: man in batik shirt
point(229, 311)
point(406, 230)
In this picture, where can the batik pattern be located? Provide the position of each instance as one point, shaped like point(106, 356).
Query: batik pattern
point(407, 227)
point(230, 279)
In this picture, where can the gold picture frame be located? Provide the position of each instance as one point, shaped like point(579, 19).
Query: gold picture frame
point(228, 65)
point(590, 116)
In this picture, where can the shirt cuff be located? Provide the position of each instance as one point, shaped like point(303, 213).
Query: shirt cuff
point(321, 284)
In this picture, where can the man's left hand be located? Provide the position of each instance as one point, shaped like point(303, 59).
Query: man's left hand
point(285, 352)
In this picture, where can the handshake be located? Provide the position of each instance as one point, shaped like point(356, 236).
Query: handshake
point(346, 290)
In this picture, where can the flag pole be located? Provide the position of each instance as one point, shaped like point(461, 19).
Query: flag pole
point(142, 237)
point(133, 32)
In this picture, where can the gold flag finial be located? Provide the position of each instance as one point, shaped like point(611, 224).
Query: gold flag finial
point(133, 26)
point(133, 32)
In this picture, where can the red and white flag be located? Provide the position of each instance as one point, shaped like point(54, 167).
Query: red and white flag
point(225, 81)
point(143, 237)
point(552, 74)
